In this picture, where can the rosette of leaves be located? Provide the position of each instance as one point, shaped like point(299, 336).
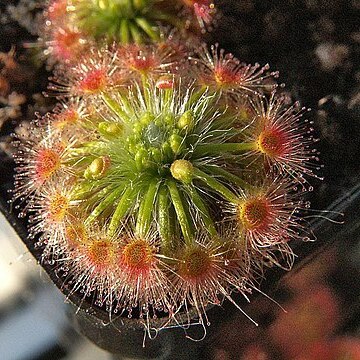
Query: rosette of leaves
point(72, 25)
point(160, 193)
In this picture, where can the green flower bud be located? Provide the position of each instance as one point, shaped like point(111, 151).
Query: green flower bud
point(176, 142)
point(182, 170)
point(97, 168)
point(147, 118)
point(169, 119)
point(138, 128)
point(156, 154)
point(186, 121)
point(141, 158)
point(110, 129)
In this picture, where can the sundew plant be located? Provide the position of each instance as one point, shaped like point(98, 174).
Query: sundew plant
point(71, 26)
point(169, 176)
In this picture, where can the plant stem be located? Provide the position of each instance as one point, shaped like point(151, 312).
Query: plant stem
point(181, 213)
point(164, 219)
point(109, 200)
point(122, 208)
point(135, 33)
point(215, 149)
point(215, 185)
point(124, 31)
point(203, 210)
point(145, 87)
point(217, 170)
point(168, 93)
point(147, 28)
point(115, 107)
point(144, 218)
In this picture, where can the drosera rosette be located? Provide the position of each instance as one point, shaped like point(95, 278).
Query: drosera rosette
point(45, 150)
point(62, 41)
point(275, 135)
point(209, 271)
point(65, 45)
point(167, 211)
point(143, 277)
point(283, 137)
point(155, 59)
point(96, 71)
point(51, 208)
point(66, 114)
point(71, 26)
point(221, 71)
point(268, 216)
point(114, 67)
point(121, 272)
point(40, 156)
